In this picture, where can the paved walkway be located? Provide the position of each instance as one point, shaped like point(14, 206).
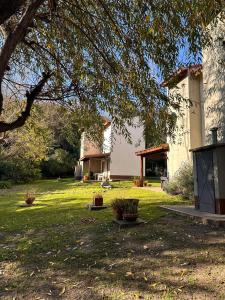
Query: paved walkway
point(204, 217)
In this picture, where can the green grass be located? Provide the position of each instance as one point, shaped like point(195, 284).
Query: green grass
point(64, 202)
point(59, 244)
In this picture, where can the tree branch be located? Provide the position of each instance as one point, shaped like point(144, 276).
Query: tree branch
point(17, 35)
point(31, 96)
point(8, 9)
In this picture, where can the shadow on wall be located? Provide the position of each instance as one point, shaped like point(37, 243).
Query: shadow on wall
point(214, 84)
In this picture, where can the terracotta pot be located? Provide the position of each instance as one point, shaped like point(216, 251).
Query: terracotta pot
point(130, 217)
point(98, 201)
point(30, 200)
point(85, 178)
point(137, 183)
point(118, 214)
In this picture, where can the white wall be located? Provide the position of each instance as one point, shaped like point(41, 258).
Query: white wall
point(123, 158)
point(214, 82)
point(107, 140)
point(188, 134)
point(88, 147)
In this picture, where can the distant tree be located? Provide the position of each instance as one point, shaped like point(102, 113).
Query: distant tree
point(64, 149)
point(49, 142)
point(95, 56)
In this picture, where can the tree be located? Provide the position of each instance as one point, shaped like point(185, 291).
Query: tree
point(64, 149)
point(95, 56)
point(23, 149)
point(48, 144)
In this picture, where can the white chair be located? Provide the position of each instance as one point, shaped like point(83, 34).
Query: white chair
point(100, 176)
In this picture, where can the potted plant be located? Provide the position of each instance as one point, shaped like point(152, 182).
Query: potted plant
point(118, 205)
point(85, 177)
point(131, 210)
point(98, 200)
point(137, 182)
point(29, 199)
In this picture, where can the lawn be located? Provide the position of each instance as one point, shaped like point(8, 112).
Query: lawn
point(58, 249)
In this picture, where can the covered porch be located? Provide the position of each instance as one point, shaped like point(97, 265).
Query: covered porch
point(96, 166)
point(154, 153)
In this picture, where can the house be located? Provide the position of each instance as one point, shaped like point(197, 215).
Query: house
point(187, 82)
point(203, 85)
point(115, 158)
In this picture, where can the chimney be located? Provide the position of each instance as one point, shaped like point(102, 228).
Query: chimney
point(214, 135)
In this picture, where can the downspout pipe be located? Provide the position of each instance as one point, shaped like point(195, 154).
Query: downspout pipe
point(214, 135)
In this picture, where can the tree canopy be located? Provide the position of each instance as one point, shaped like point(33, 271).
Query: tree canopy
point(48, 144)
point(95, 56)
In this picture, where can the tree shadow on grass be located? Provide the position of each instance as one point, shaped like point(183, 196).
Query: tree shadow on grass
point(161, 258)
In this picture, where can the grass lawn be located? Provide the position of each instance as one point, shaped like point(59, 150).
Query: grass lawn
point(60, 250)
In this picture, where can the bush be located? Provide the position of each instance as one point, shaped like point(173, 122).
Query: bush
point(19, 170)
point(182, 183)
point(5, 185)
point(60, 163)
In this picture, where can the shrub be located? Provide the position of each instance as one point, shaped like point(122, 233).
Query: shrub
point(19, 170)
point(182, 183)
point(60, 163)
point(5, 185)
point(171, 187)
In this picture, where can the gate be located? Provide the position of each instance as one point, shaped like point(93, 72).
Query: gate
point(206, 192)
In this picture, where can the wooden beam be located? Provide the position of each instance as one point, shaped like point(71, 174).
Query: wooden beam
point(142, 175)
point(89, 169)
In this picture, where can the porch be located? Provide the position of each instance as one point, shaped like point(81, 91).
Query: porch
point(96, 166)
point(154, 153)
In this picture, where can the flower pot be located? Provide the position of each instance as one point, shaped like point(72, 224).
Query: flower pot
point(98, 201)
point(30, 200)
point(86, 178)
point(138, 183)
point(130, 217)
point(118, 214)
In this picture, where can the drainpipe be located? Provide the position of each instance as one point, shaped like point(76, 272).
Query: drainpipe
point(214, 135)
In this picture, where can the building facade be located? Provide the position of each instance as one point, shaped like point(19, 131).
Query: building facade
point(204, 85)
point(115, 158)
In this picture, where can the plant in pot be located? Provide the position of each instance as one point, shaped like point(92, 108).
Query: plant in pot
point(118, 205)
point(137, 181)
point(29, 198)
point(98, 200)
point(131, 210)
point(85, 177)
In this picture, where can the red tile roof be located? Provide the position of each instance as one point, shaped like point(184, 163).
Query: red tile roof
point(153, 150)
point(99, 155)
point(181, 73)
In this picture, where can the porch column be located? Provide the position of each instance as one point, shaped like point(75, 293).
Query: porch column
point(142, 175)
point(89, 169)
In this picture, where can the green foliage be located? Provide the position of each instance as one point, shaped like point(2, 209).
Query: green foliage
point(5, 184)
point(19, 170)
point(131, 206)
point(182, 183)
point(65, 145)
point(47, 144)
point(60, 163)
point(118, 203)
point(125, 205)
point(107, 55)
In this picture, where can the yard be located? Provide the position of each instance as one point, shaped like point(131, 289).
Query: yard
point(58, 249)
